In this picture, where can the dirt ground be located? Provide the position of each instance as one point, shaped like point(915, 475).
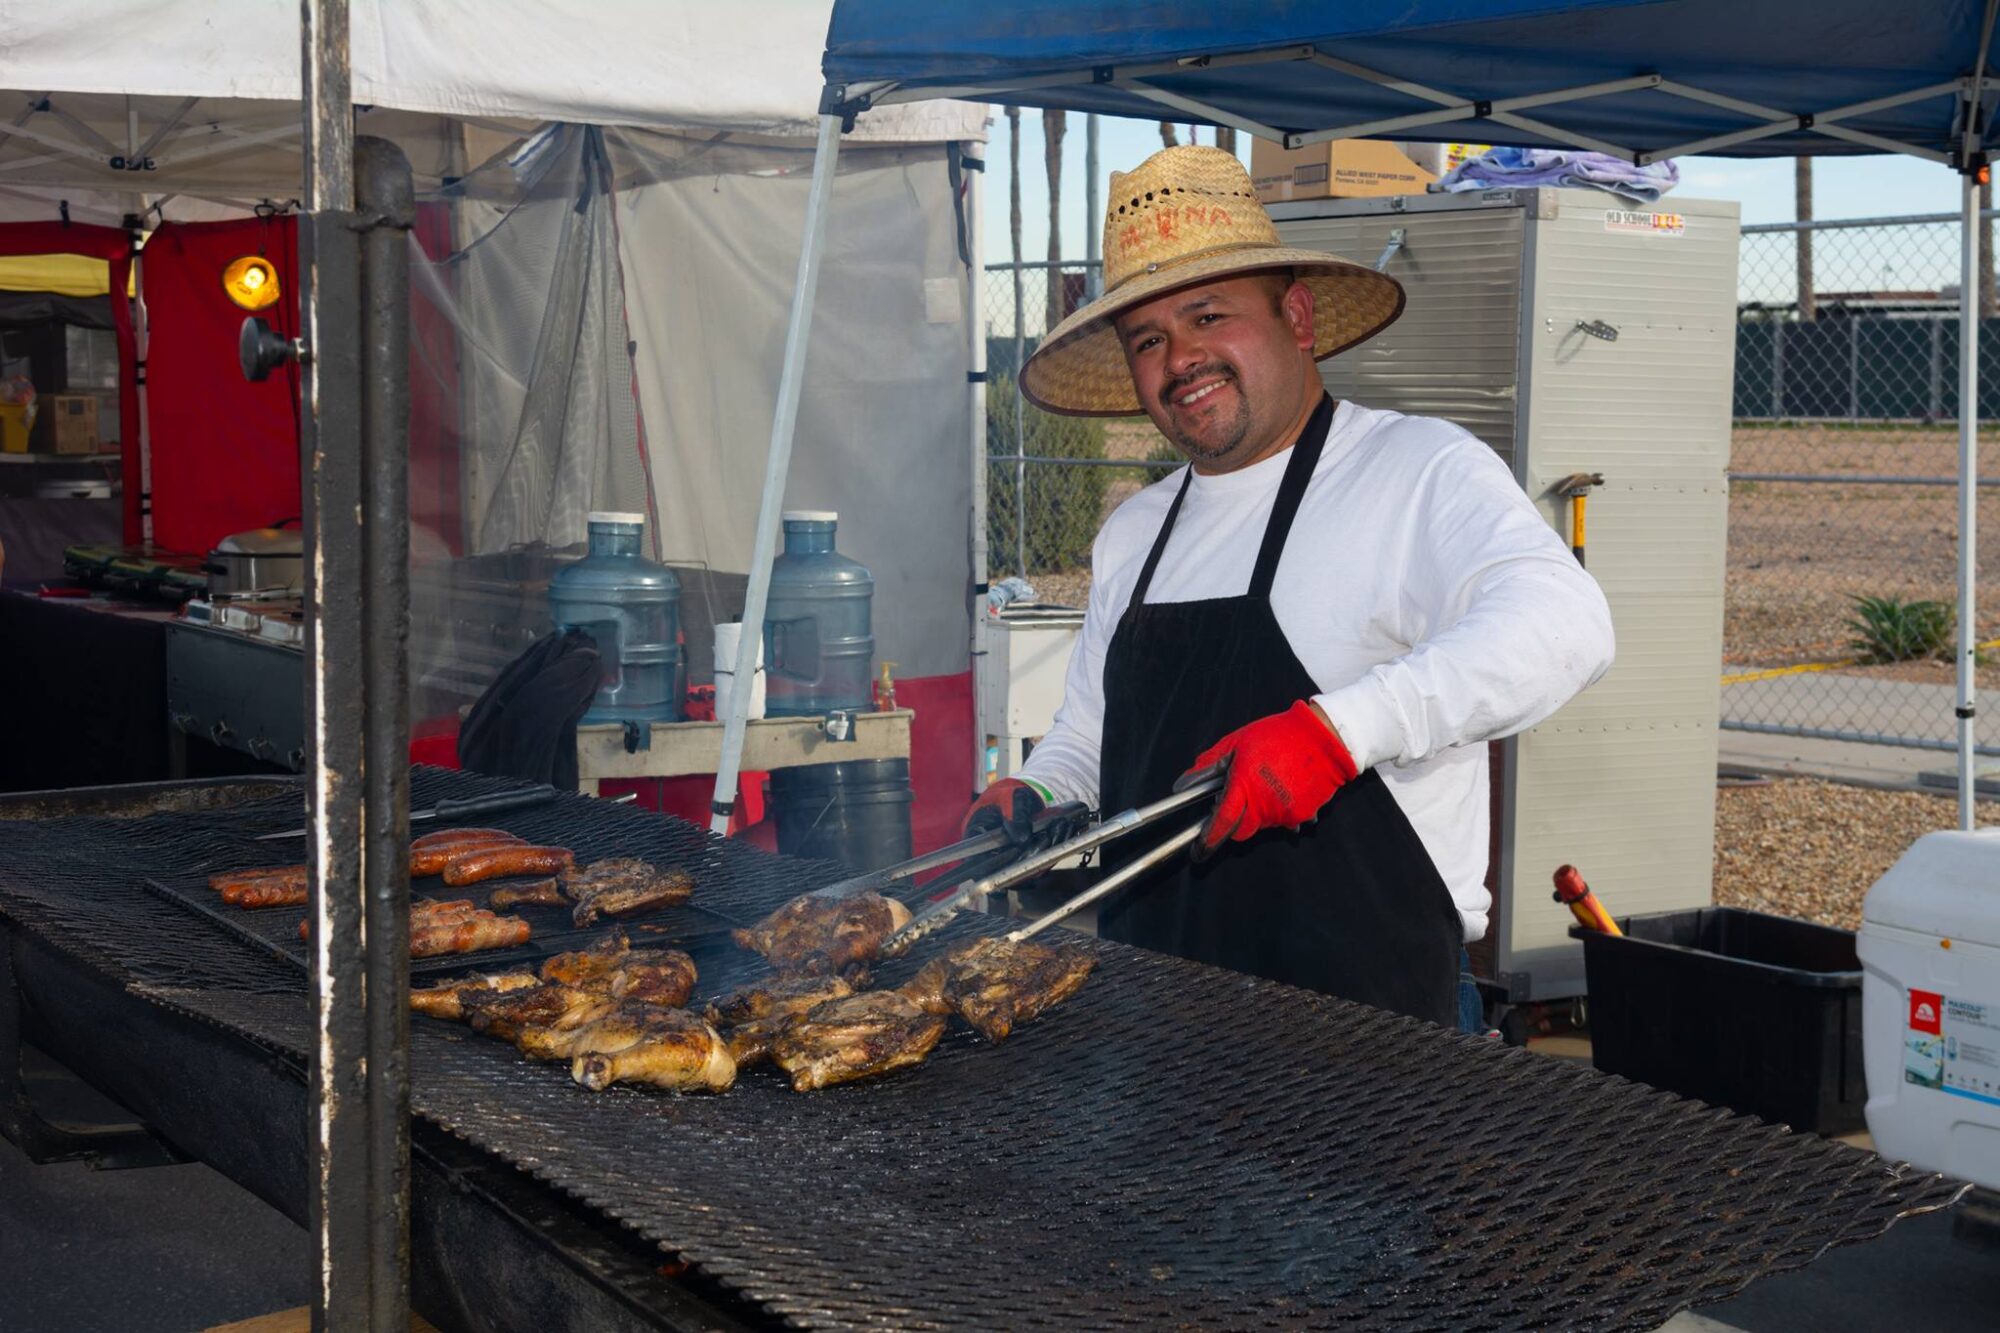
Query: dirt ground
point(1800, 552)
point(1803, 848)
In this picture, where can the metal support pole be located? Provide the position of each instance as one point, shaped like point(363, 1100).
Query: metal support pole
point(385, 200)
point(1968, 494)
point(975, 279)
point(355, 520)
point(777, 463)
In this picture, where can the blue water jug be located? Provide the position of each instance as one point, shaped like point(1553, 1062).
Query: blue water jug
point(818, 624)
point(631, 607)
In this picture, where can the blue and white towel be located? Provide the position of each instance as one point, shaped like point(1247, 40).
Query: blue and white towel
point(1504, 168)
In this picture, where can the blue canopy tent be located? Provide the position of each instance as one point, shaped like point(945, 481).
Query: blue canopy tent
point(1641, 79)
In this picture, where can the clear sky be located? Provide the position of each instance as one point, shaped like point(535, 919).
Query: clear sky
point(1843, 187)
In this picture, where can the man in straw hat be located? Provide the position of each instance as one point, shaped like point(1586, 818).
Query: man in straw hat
point(1341, 603)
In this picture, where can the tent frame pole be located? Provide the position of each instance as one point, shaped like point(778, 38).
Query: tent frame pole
point(1968, 497)
point(784, 427)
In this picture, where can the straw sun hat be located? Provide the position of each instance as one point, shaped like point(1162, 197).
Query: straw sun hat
point(1184, 216)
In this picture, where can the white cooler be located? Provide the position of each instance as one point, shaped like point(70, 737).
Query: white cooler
point(1930, 999)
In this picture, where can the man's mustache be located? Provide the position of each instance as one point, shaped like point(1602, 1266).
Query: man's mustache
point(1182, 383)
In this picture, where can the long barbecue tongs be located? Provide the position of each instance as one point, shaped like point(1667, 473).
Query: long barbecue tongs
point(1191, 791)
point(981, 848)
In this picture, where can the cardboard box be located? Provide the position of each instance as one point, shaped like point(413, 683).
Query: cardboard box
point(1441, 158)
point(1343, 169)
point(72, 421)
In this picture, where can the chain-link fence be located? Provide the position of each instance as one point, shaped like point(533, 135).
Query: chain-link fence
point(1051, 481)
point(1839, 605)
point(1839, 617)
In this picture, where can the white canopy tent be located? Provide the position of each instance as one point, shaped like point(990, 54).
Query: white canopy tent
point(705, 116)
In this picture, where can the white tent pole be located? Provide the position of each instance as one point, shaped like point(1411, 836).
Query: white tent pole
point(1968, 490)
point(776, 465)
point(975, 275)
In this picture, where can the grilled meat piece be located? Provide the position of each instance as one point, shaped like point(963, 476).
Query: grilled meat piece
point(470, 934)
point(448, 1001)
point(470, 867)
point(750, 1017)
point(277, 891)
point(272, 886)
point(776, 997)
point(431, 853)
point(441, 909)
point(622, 886)
point(548, 1005)
point(655, 1045)
point(580, 966)
point(656, 976)
point(822, 936)
point(856, 1037)
point(537, 893)
point(996, 984)
point(750, 1043)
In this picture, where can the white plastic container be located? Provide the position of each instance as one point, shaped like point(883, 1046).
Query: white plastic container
point(728, 637)
point(1930, 1001)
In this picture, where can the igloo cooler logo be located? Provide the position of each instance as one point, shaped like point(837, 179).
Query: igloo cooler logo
point(1926, 1012)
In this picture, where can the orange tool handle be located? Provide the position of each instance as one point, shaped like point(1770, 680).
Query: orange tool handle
point(1582, 903)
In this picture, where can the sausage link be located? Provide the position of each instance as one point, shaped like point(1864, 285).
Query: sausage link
point(222, 882)
point(432, 858)
point(493, 862)
point(268, 893)
point(449, 835)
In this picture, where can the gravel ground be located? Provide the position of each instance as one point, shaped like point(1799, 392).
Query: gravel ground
point(1804, 848)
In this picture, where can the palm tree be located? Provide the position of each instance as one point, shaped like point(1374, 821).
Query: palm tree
point(1053, 125)
point(1802, 198)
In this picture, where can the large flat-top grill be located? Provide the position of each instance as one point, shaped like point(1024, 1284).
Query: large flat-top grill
point(1176, 1146)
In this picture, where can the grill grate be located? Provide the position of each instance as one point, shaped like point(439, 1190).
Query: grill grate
point(172, 855)
point(1175, 1146)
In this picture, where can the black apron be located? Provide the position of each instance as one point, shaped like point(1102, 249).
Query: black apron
point(1350, 905)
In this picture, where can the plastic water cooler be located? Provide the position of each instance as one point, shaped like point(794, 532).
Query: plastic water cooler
point(630, 606)
point(1930, 950)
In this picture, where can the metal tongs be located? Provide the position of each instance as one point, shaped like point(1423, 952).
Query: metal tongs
point(1190, 791)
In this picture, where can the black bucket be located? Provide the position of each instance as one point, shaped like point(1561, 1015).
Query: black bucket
point(856, 813)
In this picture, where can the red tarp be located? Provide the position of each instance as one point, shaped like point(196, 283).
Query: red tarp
point(115, 248)
point(225, 452)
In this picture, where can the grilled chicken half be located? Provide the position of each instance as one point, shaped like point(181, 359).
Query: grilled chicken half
point(750, 1016)
point(448, 1001)
point(817, 936)
point(997, 984)
point(856, 1037)
point(654, 1044)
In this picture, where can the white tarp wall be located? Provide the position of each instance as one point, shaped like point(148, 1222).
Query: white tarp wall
point(690, 261)
point(710, 249)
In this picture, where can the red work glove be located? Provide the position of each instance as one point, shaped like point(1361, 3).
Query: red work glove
point(1282, 769)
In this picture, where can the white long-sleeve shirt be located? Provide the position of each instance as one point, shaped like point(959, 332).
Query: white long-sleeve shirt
point(1419, 588)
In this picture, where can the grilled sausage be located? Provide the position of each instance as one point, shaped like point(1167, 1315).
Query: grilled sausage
point(468, 935)
point(272, 892)
point(493, 862)
point(223, 882)
point(440, 837)
point(431, 853)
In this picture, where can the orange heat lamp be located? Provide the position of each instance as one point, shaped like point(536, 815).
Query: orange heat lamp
point(251, 282)
point(1583, 905)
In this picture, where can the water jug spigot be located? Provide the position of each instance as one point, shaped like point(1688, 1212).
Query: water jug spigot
point(839, 725)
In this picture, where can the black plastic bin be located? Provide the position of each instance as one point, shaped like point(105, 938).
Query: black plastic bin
point(1754, 1012)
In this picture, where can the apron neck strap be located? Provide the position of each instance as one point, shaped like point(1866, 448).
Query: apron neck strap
point(1306, 451)
point(1298, 473)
